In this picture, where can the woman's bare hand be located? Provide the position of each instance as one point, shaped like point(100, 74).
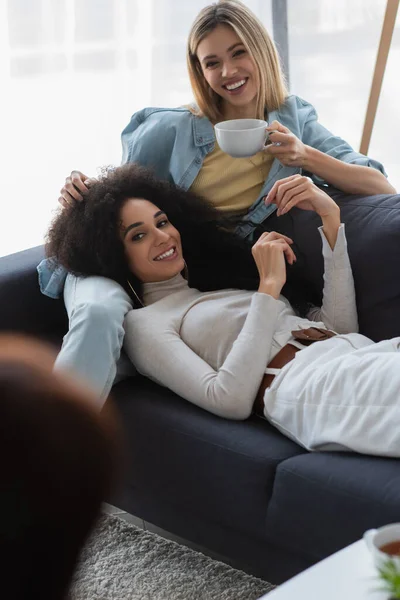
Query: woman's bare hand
point(269, 254)
point(300, 191)
point(74, 189)
point(285, 146)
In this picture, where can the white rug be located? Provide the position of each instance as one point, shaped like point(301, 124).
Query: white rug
point(123, 562)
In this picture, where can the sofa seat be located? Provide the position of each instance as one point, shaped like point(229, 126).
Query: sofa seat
point(324, 501)
point(202, 463)
point(242, 489)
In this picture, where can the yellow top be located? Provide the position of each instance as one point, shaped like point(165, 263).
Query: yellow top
point(232, 184)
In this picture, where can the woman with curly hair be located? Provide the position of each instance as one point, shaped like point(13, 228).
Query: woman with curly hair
point(235, 73)
point(211, 323)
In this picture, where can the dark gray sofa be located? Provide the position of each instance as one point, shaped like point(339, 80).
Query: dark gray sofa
point(242, 489)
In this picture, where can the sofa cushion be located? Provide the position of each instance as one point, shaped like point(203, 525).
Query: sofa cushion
point(325, 501)
point(373, 235)
point(208, 466)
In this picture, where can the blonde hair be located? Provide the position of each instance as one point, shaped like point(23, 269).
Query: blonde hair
point(272, 86)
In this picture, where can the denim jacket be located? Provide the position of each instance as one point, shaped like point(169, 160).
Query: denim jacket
point(174, 142)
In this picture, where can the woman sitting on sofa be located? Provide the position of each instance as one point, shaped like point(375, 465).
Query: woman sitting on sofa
point(228, 342)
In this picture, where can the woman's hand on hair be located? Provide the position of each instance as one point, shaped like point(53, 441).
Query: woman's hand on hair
point(285, 146)
point(269, 254)
point(75, 188)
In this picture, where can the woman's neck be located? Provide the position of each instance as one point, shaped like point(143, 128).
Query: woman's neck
point(154, 291)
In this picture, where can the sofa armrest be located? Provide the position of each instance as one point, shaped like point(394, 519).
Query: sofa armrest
point(23, 307)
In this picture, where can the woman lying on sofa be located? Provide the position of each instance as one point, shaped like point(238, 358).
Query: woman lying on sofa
point(228, 342)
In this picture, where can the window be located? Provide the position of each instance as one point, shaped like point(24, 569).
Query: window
point(333, 47)
point(73, 72)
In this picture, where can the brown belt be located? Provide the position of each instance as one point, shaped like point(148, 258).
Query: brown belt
point(284, 356)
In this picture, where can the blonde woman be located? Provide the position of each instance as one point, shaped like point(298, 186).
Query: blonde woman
point(235, 72)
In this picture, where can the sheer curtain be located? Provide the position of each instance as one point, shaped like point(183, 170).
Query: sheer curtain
point(73, 72)
point(333, 47)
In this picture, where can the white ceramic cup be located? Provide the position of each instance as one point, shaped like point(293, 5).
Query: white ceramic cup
point(376, 538)
point(242, 137)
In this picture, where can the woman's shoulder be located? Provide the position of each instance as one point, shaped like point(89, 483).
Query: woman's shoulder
point(294, 113)
point(165, 114)
point(162, 124)
point(296, 105)
point(143, 321)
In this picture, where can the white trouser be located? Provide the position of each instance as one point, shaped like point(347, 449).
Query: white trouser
point(96, 308)
point(340, 394)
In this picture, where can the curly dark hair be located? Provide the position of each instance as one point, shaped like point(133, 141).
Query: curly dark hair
point(85, 238)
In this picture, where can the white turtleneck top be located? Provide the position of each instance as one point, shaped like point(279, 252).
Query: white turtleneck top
point(212, 348)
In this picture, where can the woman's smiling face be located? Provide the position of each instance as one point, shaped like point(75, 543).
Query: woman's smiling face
point(152, 244)
point(229, 69)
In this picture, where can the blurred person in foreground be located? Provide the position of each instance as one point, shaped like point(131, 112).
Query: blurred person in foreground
point(57, 463)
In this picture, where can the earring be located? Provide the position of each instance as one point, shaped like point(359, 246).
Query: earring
point(135, 294)
point(186, 271)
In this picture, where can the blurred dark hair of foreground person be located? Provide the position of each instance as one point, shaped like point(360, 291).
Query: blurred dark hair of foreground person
point(57, 464)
